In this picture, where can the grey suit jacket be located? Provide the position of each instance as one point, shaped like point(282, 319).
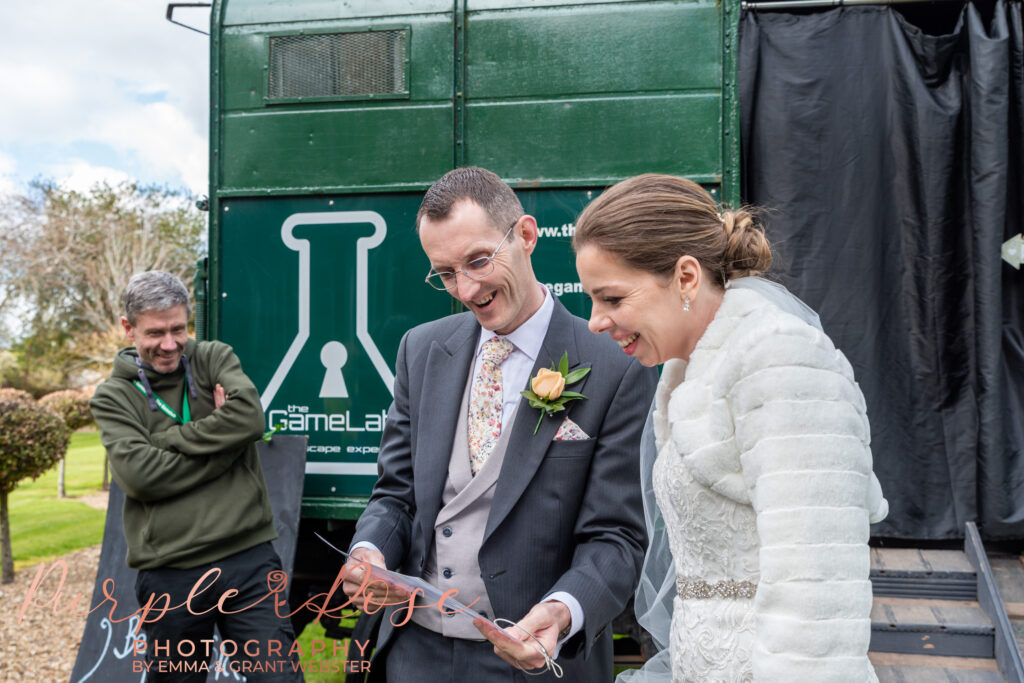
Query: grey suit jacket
point(567, 515)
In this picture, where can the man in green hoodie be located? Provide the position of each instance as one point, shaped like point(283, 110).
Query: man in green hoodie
point(180, 421)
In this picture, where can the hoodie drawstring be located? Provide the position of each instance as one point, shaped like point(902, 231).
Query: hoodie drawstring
point(188, 376)
point(149, 389)
point(145, 383)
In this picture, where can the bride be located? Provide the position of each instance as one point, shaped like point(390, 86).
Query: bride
point(761, 459)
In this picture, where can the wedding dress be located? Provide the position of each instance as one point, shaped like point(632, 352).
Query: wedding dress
point(763, 477)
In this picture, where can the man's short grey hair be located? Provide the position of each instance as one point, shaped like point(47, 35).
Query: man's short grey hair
point(154, 290)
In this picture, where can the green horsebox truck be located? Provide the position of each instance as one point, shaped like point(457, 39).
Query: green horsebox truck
point(330, 118)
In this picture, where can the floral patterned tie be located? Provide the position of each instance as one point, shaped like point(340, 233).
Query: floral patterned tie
point(485, 402)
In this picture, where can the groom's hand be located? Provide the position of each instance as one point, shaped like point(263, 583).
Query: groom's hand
point(545, 621)
point(375, 593)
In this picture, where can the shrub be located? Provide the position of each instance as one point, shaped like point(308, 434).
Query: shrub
point(12, 394)
point(32, 440)
point(71, 404)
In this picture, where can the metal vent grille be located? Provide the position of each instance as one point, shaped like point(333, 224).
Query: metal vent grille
point(338, 64)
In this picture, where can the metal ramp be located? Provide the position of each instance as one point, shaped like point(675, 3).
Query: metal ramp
point(938, 616)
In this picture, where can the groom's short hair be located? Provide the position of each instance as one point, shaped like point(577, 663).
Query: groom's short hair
point(480, 186)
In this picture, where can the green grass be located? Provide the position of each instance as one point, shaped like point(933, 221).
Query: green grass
point(43, 526)
point(313, 636)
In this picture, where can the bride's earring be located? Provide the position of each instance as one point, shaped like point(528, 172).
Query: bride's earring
point(686, 304)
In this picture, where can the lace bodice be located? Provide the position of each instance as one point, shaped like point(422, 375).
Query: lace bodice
point(712, 537)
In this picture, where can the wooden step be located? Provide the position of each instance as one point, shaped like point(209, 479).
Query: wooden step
point(945, 608)
point(902, 668)
point(943, 628)
point(917, 573)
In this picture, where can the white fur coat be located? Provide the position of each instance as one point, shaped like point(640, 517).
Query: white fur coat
point(764, 474)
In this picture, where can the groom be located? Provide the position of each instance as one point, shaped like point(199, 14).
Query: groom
point(545, 528)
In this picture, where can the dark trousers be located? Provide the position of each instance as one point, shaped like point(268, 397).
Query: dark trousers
point(413, 654)
point(255, 639)
point(421, 655)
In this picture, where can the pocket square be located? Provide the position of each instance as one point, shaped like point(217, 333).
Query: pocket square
point(570, 431)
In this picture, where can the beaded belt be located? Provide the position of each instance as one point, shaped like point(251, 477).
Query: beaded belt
point(702, 590)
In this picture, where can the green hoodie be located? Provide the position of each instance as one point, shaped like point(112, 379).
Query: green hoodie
point(194, 493)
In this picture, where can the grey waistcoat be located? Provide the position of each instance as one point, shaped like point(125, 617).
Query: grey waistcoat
point(459, 530)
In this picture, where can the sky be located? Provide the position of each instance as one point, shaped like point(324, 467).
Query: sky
point(102, 90)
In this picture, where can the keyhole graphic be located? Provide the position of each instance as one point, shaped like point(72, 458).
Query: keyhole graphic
point(333, 355)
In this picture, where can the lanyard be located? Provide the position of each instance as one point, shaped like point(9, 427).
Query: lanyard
point(169, 411)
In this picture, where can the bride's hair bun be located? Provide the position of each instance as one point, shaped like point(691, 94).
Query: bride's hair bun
point(650, 221)
point(747, 251)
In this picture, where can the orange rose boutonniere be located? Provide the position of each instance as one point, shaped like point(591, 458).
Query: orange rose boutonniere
point(547, 390)
point(548, 384)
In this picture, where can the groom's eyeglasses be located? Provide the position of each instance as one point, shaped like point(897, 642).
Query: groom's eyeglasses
point(475, 269)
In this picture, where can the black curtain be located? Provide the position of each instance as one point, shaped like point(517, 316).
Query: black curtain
point(890, 161)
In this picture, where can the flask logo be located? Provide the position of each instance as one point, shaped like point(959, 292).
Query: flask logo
point(333, 354)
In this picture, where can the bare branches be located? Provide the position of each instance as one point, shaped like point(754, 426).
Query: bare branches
point(65, 257)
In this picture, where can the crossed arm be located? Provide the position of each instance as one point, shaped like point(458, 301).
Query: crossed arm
point(152, 466)
point(232, 426)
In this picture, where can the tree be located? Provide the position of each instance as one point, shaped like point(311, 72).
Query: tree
point(8, 365)
point(72, 406)
point(65, 258)
point(32, 440)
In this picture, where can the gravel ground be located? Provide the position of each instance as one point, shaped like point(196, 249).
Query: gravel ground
point(43, 646)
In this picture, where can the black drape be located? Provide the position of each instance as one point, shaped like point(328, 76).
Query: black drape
point(891, 164)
